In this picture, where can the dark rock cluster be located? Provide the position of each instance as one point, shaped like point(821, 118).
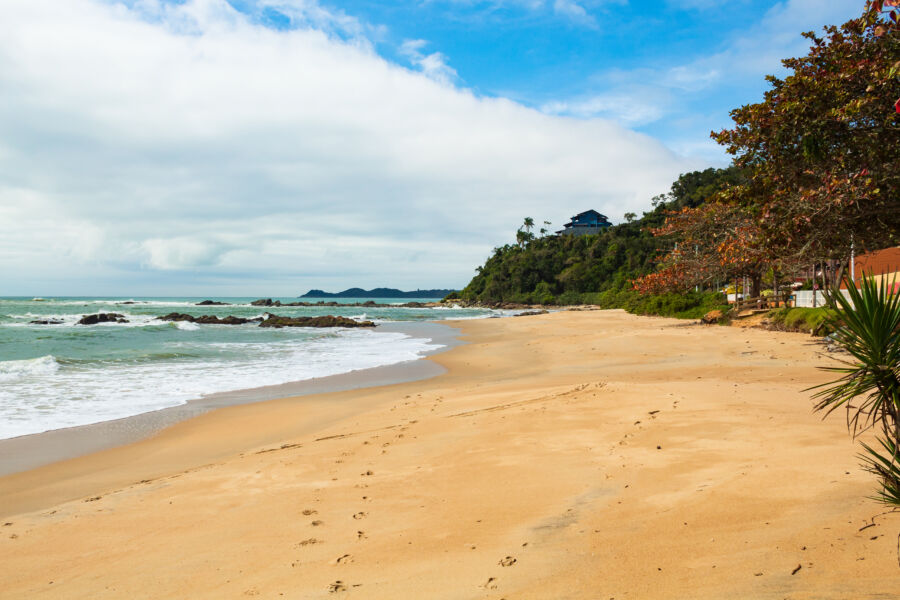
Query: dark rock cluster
point(102, 318)
point(270, 321)
point(208, 319)
point(324, 321)
point(366, 304)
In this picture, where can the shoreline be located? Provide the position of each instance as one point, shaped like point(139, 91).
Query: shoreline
point(26, 452)
point(573, 455)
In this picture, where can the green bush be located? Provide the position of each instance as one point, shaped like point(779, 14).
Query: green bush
point(805, 320)
point(690, 305)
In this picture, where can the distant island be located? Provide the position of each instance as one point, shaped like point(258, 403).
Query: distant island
point(377, 293)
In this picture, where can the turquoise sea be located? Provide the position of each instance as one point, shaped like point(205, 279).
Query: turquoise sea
point(65, 374)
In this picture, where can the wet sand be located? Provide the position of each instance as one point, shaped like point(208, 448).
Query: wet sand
point(35, 450)
point(584, 455)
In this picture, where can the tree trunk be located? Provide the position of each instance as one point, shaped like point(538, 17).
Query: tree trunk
point(755, 285)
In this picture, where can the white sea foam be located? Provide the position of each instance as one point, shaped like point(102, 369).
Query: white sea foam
point(71, 320)
point(17, 370)
point(187, 325)
point(40, 394)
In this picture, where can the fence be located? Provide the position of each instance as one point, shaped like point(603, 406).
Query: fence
point(810, 298)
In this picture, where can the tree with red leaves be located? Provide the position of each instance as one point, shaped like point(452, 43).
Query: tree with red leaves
point(823, 149)
point(821, 155)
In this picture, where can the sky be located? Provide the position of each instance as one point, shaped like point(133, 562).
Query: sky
point(266, 147)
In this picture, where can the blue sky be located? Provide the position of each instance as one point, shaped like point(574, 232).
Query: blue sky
point(226, 147)
point(672, 69)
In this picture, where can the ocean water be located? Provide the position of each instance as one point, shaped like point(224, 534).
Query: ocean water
point(63, 375)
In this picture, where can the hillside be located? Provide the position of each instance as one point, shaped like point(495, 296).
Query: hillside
point(574, 269)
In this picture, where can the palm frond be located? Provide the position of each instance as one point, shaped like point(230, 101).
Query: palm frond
point(884, 464)
point(867, 325)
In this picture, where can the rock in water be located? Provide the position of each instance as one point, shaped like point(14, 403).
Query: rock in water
point(207, 319)
point(324, 321)
point(211, 303)
point(102, 318)
point(266, 302)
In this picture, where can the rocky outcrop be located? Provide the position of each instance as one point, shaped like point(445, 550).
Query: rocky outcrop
point(530, 313)
point(324, 321)
point(366, 304)
point(211, 303)
point(45, 322)
point(208, 319)
point(102, 318)
point(270, 321)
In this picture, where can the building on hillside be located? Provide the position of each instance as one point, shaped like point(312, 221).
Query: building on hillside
point(588, 222)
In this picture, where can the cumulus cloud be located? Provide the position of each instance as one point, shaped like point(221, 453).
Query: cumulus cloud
point(140, 141)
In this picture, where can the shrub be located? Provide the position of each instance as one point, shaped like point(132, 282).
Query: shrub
point(806, 320)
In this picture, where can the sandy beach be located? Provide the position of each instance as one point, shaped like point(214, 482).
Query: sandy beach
point(590, 455)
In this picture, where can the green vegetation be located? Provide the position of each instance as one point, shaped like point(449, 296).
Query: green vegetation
point(690, 305)
point(867, 326)
point(806, 320)
point(578, 269)
point(820, 162)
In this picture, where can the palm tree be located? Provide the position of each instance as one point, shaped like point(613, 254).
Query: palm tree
point(529, 224)
point(867, 325)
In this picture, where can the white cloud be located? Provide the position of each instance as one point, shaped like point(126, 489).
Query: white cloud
point(574, 11)
point(646, 95)
point(631, 109)
point(433, 65)
point(147, 141)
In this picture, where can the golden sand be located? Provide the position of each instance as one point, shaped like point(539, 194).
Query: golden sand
point(588, 455)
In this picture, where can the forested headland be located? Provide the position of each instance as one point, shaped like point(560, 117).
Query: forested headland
point(589, 269)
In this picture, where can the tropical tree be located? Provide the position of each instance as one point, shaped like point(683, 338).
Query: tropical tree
point(867, 325)
point(820, 150)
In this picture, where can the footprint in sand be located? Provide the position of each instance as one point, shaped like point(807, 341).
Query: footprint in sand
point(309, 512)
point(337, 586)
point(309, 542)
point(343, 560)
point(360, 515)
point(489, 584)
point(361, 535)
point(507, 562)
point(316, 523)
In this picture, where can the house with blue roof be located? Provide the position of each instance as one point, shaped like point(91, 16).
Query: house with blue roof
point(588, 222)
